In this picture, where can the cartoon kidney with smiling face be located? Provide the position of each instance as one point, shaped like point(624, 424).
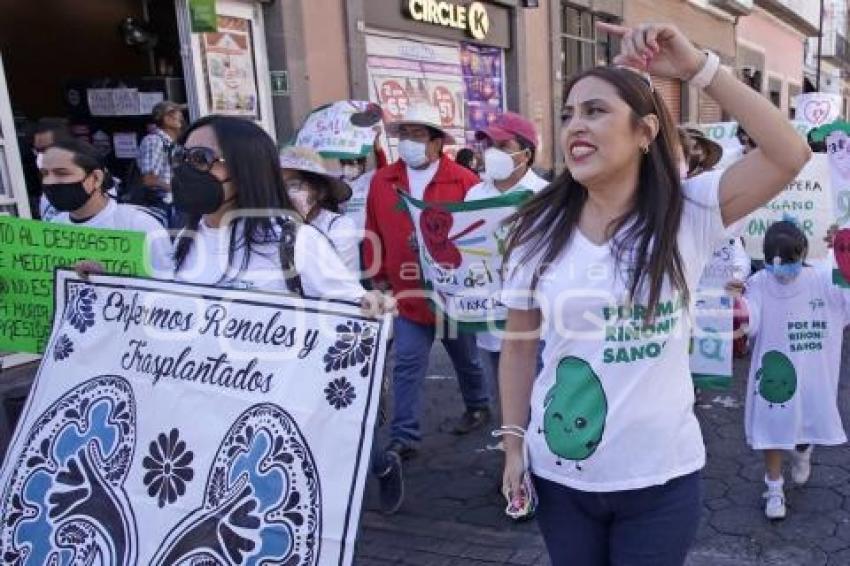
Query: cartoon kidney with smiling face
point(576, 408)
point(777, 378)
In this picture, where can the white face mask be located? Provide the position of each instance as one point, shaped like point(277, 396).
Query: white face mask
point(499, 165)
point(351, 172)
point(415, 154)
point(300, 201)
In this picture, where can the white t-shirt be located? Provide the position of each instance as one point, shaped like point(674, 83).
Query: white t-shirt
point(322, 273)
point(492, 341)
point(128, 217)
point(355, 207)
point(792, 391)
point(419, 179)
point(343, 234)
point(613, 407)
point(486, 189)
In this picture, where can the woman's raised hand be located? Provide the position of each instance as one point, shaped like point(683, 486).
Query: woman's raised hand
point(659, 49)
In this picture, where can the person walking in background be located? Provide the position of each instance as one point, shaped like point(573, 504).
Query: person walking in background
point(465, 157)
point(358, 176)
point(316, 195)
point(154, 162)
point(602, 265)
point(511, 144)
point(390, 258)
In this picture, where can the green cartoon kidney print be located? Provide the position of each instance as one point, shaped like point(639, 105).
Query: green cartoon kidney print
point(777, 378)
point(576, 408)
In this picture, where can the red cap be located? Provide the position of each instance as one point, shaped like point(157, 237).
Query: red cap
point(508, 126)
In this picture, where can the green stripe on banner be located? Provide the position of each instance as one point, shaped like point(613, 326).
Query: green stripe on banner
point(838, 279)
point(706, 381)
point(364, 152)
point(510, 199)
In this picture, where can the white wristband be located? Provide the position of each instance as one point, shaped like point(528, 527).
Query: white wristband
point(709, 70)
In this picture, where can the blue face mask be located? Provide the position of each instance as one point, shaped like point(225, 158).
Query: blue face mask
point(785, 272)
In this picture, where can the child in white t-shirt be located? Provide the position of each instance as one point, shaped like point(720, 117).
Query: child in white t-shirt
point(797, 317)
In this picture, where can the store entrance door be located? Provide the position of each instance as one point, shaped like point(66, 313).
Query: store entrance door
point(227, 71)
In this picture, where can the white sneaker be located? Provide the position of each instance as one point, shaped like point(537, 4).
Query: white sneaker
point(774, 507)
point(801, 465)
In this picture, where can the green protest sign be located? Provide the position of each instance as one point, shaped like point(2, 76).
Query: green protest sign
point(30, 251)
point(203, 16)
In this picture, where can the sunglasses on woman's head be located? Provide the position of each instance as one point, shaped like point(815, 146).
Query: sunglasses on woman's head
point(643, 75)
point(200, 158)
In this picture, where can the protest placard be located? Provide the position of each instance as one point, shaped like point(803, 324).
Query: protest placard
point(330, 131)
point(807, 200)
point(711, 344)
point(30, 251)
point(837, 138)
point(460, 249)
point(178, 424)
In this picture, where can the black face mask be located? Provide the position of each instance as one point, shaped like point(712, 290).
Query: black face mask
point(196, 192)
point(66, 197)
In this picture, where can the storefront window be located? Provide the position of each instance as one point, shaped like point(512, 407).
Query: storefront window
point(581, 47)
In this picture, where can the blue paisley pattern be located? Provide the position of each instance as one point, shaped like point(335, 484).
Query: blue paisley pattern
point(79, 311)
point(65, 503)
point(262, 501)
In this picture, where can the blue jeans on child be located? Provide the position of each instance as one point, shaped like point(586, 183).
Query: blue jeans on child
point(653, 526)
point(412, 343)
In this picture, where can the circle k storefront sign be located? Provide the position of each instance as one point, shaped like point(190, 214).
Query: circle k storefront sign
point(473, 18)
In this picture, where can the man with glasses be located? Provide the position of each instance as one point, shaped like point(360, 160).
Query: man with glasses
point(391, 260)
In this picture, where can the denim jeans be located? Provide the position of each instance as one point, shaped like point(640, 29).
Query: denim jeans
point(491, 359)
point(412, 345)
point(653, 526)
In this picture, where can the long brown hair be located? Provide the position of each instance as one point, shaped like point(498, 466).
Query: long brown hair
point(648, 245)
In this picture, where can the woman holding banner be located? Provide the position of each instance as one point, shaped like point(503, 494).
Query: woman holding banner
point(601, 264)
point(242, 229)
point(76, 182)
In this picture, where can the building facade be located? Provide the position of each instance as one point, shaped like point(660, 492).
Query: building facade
point(772, 42)
point(833, 53)
point(710, 25)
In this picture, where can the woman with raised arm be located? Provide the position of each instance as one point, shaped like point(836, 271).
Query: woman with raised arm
point(602, 264)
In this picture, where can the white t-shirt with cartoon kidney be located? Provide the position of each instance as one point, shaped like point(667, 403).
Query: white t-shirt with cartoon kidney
point(792, 391)
point(612, 409)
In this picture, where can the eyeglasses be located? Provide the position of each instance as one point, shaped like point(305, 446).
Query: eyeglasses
point(199, 157)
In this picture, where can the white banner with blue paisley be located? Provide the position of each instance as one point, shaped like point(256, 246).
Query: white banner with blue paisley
point(177, 424)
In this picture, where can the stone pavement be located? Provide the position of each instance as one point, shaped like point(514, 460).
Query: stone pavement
point(453, 514)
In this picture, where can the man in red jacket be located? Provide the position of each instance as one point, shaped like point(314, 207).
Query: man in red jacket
point(392, 260)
